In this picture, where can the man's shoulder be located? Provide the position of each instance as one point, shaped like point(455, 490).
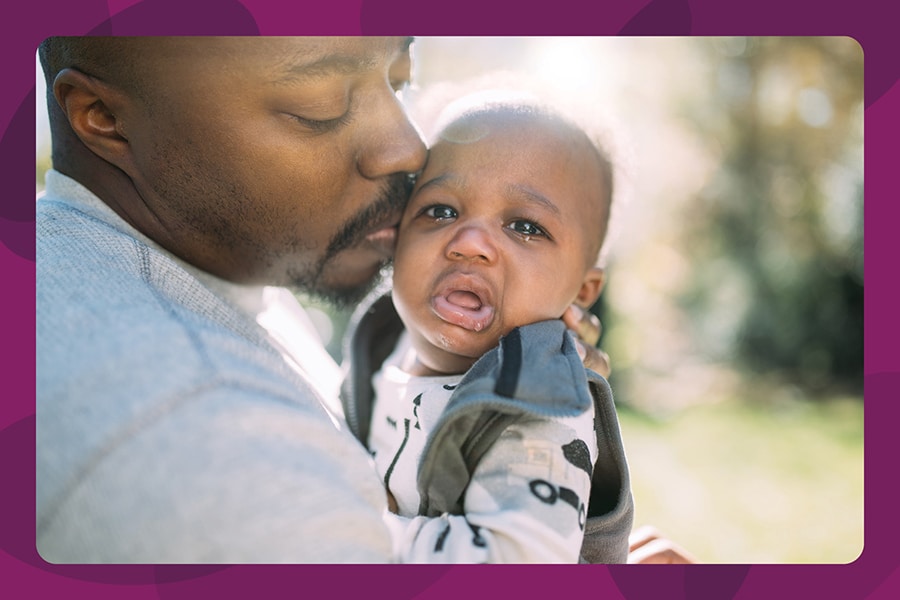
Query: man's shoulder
point(108, 302)
point(74, 248)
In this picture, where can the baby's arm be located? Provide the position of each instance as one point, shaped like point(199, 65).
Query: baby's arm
point(526, 502)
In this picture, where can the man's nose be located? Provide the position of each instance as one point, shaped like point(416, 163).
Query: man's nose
point(394, 144)
point(472, 243)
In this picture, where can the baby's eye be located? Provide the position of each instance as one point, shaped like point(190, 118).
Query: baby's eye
point(439, 212)
point(527, 228)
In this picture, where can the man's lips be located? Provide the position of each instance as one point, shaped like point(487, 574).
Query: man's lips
point(464, 301)
point(383, 240)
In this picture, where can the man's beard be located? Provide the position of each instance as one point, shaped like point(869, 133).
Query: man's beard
point(391, 200)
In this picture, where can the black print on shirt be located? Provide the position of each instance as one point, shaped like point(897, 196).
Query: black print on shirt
point(548, 494)
point(439, 545)
point(417, 401)
point(477, 540)
point(577, 453)
point(390, 469)
point(449, 387)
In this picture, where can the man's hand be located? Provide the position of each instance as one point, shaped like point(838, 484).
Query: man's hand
point(586, 327)
point(647, 546)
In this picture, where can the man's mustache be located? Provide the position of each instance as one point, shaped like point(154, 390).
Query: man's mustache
point(390, 203)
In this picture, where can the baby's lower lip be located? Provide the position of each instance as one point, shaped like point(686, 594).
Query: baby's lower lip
point(458, 308)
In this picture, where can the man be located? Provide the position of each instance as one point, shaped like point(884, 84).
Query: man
point(186, 410)
point(180, 404)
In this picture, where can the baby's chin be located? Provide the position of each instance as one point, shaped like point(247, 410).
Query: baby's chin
point(450, 357)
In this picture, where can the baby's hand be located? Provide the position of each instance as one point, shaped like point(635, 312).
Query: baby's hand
point(586, 327)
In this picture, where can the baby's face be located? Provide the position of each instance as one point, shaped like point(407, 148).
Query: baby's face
point(502, 230)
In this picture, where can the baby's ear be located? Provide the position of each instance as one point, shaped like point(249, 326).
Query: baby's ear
point(90, 107)
point(590, 287)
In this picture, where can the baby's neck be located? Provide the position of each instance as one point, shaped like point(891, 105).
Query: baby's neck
point(417, 368)
point(421, 359)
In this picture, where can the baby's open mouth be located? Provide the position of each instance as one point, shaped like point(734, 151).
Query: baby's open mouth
point(464, 308)
point(464, 299)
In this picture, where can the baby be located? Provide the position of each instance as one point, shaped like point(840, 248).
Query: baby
point(464, 383)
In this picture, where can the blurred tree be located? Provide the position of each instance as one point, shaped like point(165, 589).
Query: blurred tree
point(777, 234)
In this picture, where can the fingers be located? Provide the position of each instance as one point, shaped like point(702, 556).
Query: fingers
point(585, 324)
point(648, 547)
point(593, 358)
point(641, 536)
point(587, 329)
point(659, 552)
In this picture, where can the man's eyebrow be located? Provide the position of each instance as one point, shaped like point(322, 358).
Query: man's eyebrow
point(332, 64)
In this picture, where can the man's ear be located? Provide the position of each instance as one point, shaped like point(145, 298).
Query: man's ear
point(590, 288)
point(90, 107)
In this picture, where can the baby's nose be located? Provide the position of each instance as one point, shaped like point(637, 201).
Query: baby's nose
point(473, 242)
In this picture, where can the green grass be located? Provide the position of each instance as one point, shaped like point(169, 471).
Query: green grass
point(739, 483)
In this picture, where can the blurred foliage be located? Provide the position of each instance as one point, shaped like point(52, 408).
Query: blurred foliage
point(783, 213)
point(42, 164)
point(757, 270)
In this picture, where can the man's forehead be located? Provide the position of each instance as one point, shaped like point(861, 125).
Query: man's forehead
point(281, 60)
point(315, 55)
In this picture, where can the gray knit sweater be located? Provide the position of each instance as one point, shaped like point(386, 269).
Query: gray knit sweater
point(169, 427)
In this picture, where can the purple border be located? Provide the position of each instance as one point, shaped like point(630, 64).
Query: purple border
point(875, 575)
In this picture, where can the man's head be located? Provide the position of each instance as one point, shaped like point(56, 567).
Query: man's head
point(260, 160)
point(503, 229)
